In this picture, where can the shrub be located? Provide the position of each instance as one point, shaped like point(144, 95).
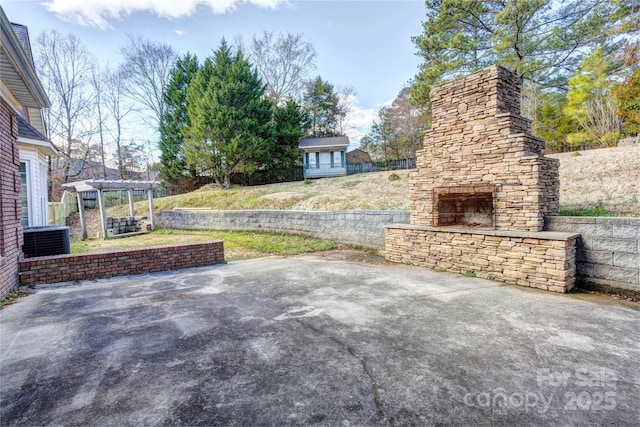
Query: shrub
point(597, 210)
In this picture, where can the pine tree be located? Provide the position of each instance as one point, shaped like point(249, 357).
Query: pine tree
point(542, 40)
point(455, 41)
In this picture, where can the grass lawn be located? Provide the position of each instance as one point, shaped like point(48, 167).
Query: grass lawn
point(237, 245)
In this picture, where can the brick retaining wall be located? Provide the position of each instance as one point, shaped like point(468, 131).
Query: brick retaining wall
point(363, 229)
point(608, 251)
point(66, 268)
point(535, 259)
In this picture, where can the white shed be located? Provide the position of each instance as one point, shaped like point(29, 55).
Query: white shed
point(325, 156)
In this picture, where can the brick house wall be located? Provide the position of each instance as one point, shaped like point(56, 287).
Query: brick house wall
point(10, 208)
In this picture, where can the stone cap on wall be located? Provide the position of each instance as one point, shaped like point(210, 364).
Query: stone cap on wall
point(544, 235)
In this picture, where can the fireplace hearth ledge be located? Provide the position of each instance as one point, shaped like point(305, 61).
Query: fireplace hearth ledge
point(544, 235)
point(543, 259)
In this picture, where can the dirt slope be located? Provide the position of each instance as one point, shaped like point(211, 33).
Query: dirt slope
point(610, 176)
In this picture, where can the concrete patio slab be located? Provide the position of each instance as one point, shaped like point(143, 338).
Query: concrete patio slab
point(315, 340)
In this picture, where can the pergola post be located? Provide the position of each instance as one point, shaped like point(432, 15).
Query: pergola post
point(103, 215)
point(152, 216)
point(131, 210)
point(102, 185)
point(83, 221)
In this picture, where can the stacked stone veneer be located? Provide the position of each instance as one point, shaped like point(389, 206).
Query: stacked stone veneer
point(478, 137)
point(539, 260)
point(480, 142)
point(89, 266)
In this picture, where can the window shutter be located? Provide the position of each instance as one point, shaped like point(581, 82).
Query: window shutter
point(317, 160)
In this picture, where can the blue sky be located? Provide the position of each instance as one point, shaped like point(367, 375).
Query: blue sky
point(362, 44)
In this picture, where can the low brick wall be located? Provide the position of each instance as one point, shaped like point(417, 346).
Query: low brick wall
point(363, 229)
point(541, 260)
point(608, 251)
point(66, 268)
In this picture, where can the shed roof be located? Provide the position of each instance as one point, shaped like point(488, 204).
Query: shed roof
point(108, 184)
point(324, 142)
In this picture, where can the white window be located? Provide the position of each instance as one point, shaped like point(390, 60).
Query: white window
point(25, 191)
point(337, 159)
point(44, 193)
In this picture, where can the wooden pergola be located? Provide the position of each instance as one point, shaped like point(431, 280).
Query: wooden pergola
point(102, 185)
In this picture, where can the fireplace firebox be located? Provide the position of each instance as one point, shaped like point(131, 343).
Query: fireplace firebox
point(465, 206)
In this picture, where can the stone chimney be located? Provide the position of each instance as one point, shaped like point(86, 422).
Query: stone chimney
point(481, 166)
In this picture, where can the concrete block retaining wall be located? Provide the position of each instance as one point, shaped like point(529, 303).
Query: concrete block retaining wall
point(608, 251)
point(66, 268)
point(364, 229)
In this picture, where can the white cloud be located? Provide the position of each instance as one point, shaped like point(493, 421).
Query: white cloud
point(179, 32)
point(97, 13)
point(359, 120)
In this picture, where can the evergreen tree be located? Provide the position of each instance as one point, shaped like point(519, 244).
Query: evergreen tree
point(455, 41)
point(323, 104)
point(291, 124)
point(174, 123)
point(542, 40)
point(230, 130)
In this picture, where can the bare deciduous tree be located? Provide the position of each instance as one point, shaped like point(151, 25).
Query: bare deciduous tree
point(117, 109)
point(283, 61)
point(147, 65)
point(600, 120)
point(97, 81)
point(64, 66)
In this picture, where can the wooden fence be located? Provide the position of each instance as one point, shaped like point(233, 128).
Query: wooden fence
point(59, 211)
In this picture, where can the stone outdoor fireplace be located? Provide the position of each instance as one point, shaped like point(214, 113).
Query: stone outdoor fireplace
point(482, 189)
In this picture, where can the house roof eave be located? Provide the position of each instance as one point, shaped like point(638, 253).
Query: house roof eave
point(45, 146)
point(18, 73)
point(323, 147)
